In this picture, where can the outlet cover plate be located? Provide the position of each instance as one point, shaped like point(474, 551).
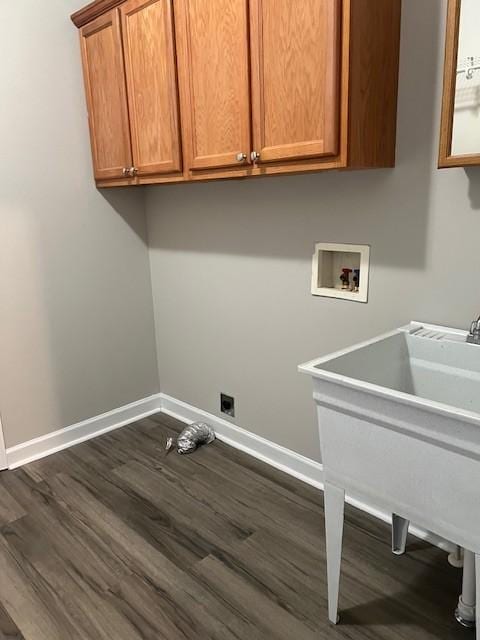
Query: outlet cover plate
point(227, 405)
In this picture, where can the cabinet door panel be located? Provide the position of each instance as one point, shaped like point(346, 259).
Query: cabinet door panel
point(148, 38)
point(106, 96)
point(215, 73)
point(295, 78)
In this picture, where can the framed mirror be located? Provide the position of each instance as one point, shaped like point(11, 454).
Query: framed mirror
point(460, 128)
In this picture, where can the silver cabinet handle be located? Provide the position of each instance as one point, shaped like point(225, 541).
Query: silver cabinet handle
point(125, 172)
point(241, 157)
point(254, 156)
point(132, 172)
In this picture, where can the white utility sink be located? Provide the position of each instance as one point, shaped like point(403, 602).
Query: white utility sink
point(399, 420)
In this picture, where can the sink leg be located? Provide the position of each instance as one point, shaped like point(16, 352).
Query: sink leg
point(399, 534)
point(334, 511)
point(466, 611)
point(456, 557)
point(477, 592)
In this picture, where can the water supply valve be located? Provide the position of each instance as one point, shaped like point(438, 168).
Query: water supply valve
point(345, 278)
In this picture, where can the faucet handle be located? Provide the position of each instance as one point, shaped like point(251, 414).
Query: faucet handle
point(475, 328)
point(474, 335)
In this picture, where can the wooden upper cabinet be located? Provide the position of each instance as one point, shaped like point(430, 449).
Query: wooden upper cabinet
point(149, 48)
point(295, 78)
point(203, 89)
point(213, 53)
point(101, 44)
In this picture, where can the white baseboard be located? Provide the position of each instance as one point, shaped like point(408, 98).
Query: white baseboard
point(273, 454)
point(3, 451)
point(67, 437)
point(286, 460)
point(305, 469)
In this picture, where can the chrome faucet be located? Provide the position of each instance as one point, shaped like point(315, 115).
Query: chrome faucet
point(474, 335)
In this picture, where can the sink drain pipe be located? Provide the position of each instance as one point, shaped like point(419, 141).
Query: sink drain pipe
point(465, 612)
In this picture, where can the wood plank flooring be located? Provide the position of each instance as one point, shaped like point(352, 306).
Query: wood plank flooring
point(114, 540)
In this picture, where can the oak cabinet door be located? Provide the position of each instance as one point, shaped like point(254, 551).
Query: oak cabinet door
point(149, 49)
point(104, 75)
point(295, 78)
point(214, 74)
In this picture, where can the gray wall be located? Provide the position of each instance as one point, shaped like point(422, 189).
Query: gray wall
point(76, 317)
point(231, 261)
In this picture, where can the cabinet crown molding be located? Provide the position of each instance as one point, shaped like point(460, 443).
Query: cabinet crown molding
point(93, 10)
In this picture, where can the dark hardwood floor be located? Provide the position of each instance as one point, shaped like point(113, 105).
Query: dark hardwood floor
point(112, 539)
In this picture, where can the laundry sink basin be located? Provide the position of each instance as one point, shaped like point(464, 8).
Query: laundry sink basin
point(399, 421)
point(423, 366)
